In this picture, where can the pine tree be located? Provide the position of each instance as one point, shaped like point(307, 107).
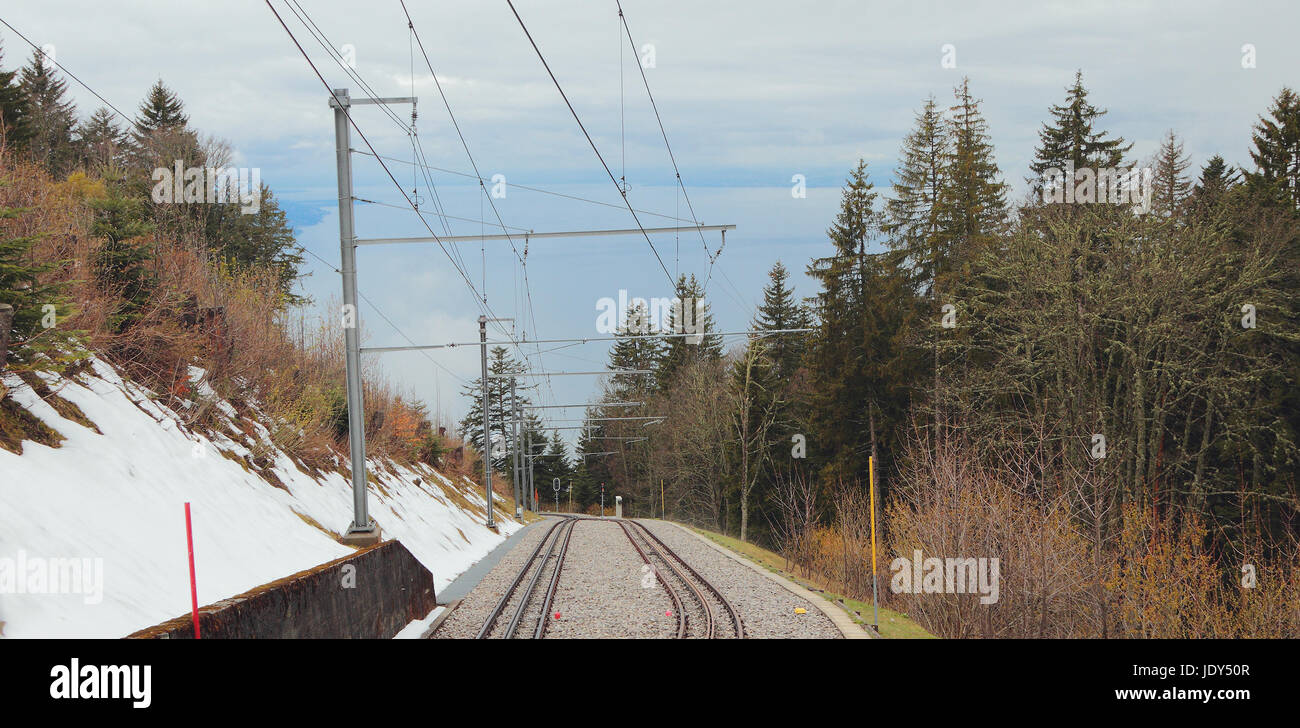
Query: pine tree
point(100, 140)
point(1072, 139)
point(972, 208)
point(1171, 185)
point(52, 116)
point(692, 316)
point(15, 125)
point(911, 216)
point(1276, 179)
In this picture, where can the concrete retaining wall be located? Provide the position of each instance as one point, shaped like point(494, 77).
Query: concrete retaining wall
point(371, 594)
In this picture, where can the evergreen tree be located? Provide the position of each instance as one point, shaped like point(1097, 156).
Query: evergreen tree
point(162, 135)
point(781, 310)
point(692, 316)
point(554, 463)
point(100, 140)
point(122, 262)
point(1171, 185)
point(15, 125)
point(631, 352)
point(1072, 138)
point(594, 469)
point(911, 216)
point(262, 240)
point(162, 110)
point(1216, 182)
point(499, 410)
point(839, 411)
point(21, 286)
point(1276, 179)
point(971, 210)
point(51, 115)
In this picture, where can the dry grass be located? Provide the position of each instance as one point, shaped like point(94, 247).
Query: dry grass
point(274, 364)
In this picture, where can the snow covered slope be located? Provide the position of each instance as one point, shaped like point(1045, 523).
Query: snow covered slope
point(114, 502)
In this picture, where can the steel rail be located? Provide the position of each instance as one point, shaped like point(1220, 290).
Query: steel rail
point(540, 631)
point(731, 609)
point(490, 622)
point(672, 593)
point(699, 595)
point(537, 576)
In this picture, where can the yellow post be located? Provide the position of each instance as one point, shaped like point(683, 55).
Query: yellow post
point(871, 475)
point(663, 506)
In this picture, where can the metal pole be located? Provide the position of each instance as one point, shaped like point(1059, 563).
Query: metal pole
point(361, 528)
point(875, 604)
point(514, 450)
point(487, 432)
point(528, 462)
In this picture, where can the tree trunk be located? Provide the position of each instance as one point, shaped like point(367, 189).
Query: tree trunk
point(6, 320)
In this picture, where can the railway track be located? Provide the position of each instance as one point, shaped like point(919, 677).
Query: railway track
point(526, 606)
point(702, 611)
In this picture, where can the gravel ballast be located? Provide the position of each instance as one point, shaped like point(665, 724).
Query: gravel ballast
point(601, 592)
point(606, 591)
point(766, 608)
point(464, 623)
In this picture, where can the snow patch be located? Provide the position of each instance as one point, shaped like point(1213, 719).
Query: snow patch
point(119, 498)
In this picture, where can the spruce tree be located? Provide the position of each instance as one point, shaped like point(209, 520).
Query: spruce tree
point(52, 116)
point(1217, 179)
point(22, 287)
point(781, 310)
point(100, 141)
point(161, 110)
point(1074, 139)
point(122, 261)
point(162, 135)
point(499, 411)
point(554, 463)
point(911, 215)
point(692, 316)
point(839, 414)
point(15, 125)
point(1171, 185)
point(972, 208)
point(632, 351)
point(1276, 179)
point(261, 240)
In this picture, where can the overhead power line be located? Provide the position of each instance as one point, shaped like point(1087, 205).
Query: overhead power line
point(540, 190)
point(622, 192)
point(387, 171)
point(71, 75)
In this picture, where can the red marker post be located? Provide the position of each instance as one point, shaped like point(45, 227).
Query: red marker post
point(194, 589)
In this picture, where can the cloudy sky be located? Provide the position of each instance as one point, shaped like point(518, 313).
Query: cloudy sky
point(751, 94)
